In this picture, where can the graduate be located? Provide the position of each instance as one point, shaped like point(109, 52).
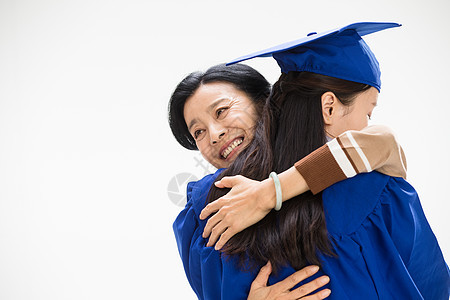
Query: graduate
point(368, 233)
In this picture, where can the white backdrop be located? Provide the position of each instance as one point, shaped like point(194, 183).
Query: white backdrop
point(86, 153)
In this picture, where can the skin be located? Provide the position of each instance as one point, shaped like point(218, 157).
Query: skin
point(246, 203)
point(283, 289)
point(217, 115)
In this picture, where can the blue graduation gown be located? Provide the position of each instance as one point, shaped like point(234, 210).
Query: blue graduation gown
point(385, 247)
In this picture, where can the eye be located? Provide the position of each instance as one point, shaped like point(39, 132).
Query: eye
point(220, 111)
point(197, 133)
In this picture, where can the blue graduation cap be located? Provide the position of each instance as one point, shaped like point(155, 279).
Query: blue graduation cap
point(340, 53)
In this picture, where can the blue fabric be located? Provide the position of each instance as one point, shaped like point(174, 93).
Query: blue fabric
point(385, 246)
point(340, 53)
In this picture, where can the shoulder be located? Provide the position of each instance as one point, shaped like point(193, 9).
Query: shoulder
point(379, 129)
point(376, 141)
point(349, 202)
point(373, 135)
point(197, 191)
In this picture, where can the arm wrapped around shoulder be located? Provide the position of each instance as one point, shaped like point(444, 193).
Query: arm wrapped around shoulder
point(382, 150)
point(353, 152)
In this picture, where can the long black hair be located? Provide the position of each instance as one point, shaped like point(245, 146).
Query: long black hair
point(291, 127)
point(242, 77)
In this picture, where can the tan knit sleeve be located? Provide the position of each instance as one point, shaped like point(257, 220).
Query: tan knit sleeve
point(353, 152)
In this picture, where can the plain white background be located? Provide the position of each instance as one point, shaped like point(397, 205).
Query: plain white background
point(86, 153)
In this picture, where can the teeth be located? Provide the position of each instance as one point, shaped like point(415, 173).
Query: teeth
point(230, 148)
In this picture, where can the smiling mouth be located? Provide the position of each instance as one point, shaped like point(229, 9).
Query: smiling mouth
point(231, 147)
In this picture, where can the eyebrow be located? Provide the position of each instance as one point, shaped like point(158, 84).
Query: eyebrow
point(216, 103)
point(192, 124)
point(210, 107)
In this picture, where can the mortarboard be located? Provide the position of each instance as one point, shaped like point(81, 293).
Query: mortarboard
point(340, 53)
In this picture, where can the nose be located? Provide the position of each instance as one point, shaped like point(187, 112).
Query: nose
point(219, 138)
point(216, 133)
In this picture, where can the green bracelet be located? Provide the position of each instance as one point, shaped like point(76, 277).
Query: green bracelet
point(277, 183)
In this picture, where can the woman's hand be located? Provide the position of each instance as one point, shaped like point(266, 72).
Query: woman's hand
point(282, 290)
point(245, 204)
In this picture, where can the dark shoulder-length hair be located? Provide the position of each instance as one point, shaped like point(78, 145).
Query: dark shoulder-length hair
point(242, 77)
point(291, 127)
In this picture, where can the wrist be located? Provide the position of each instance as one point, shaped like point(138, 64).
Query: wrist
point(292, 183)
point(269, 194)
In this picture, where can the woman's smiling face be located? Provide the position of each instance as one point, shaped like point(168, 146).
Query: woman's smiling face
point(221, 120)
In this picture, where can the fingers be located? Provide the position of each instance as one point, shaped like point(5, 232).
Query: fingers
point(297, 277)
point(219, 184)
point(263, 276)
point(220, 230)
point(212, 222)
point(310, 287)
point(213, 207)
point(228, 181)
point(224, 237)
point(217, 230)
point(210, 208)
point(319, 295)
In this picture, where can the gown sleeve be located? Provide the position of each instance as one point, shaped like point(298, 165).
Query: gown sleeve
point(185, 227)
point(415, 240)
point(202, 265)
point(385, 247)
point(353, 152)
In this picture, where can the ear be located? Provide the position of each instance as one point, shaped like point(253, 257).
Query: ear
point(329, 107)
